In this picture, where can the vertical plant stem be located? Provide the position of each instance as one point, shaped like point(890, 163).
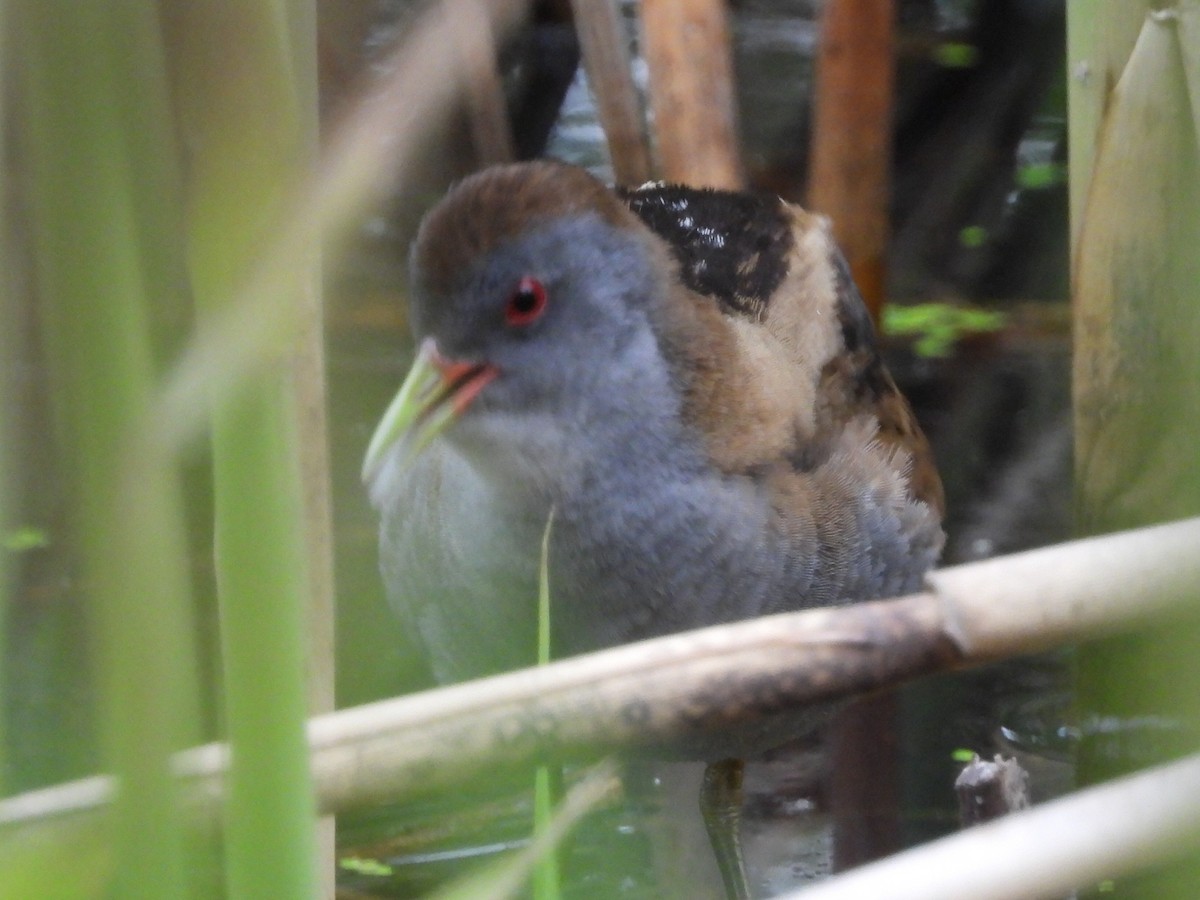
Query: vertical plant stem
point(688, 48)
point(7, 318)
point(94, 121)
point(851, 166)
point(1100, 37)
point(308, 373)
point(243, 109)
point(547, 875)
point(1136, 381)
point(543, 638)
point(606, 57)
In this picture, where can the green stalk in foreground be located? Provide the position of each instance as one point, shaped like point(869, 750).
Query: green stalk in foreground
point(547, 874)
point(254, 141)
point(1136, 382)
point(6, 316)
point(92, 77)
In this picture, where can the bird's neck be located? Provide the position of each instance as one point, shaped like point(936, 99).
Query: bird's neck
point(625, 426)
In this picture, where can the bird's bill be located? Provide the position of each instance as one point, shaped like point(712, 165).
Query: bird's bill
point(434, 393)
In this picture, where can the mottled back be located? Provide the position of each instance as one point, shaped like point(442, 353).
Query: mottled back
point(790, 307)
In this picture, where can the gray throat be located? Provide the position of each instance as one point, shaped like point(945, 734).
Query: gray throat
point(647, 538)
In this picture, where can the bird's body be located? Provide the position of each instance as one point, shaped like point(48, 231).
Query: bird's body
point(687, 378)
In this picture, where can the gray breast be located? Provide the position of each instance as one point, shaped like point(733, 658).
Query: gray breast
point(460, 565)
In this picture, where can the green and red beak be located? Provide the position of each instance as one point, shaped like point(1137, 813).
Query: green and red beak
point(435, 392)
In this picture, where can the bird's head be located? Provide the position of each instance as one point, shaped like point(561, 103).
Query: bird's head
point(528, 281)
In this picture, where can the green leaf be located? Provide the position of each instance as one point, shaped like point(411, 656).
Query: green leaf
point(547, 874)
point(1038, 176)
point(936, 327)
point(365, 866)
point(956, 55)
point(973, 236)
point(544, 595)
point(25, 538)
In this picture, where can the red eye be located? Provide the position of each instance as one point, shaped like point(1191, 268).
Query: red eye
point(526, 303)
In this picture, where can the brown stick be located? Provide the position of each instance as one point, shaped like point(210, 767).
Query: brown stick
point(989, 790)
point(687, 46)
point(863, 787)
point(672, 690)
point(851, 141)
point(1048, 851)
point(487, 108)
point(606, 58)
point(849, 181)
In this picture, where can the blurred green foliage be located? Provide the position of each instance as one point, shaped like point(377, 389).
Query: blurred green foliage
point(937, 327)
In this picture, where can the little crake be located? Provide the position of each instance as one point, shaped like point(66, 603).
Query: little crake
point(688, 378)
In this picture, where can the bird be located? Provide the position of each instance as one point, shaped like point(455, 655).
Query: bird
point(687, 377)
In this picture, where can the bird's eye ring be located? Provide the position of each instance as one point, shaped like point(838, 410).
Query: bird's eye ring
point(526, 303)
